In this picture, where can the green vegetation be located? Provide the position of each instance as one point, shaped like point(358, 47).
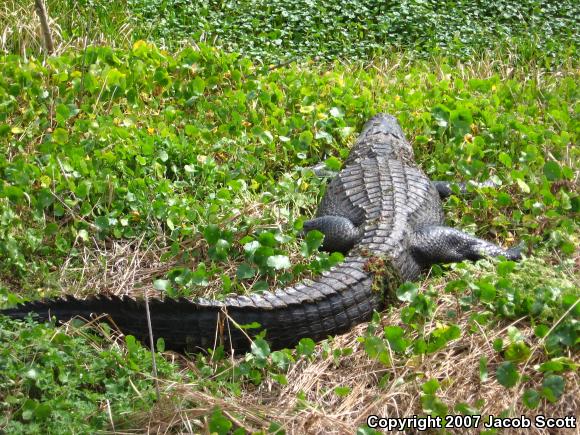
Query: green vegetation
point(280, 30)
point(273, 31)
point(144, 144)
point(54, 382)
point(187, 173)
point(74, 23)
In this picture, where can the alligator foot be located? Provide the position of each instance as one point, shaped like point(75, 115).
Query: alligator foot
point(444, 188)
point(438, 244)
point(340, 234)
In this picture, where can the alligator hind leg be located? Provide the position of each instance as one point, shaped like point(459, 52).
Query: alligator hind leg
point(438, 244)
point(340, 234)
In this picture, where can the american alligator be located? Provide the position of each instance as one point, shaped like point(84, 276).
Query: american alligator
point(380, 208)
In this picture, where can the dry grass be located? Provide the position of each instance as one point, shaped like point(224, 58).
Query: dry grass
point(129, 267)
point(185, 408)
point(72, 25)
point(456, 368)
point(119, 268)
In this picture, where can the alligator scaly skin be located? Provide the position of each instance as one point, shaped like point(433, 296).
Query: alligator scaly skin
point(381, 205)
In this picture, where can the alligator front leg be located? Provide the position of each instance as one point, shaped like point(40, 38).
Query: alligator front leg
point(340, 234)
point(445, 188)
point(438, 244)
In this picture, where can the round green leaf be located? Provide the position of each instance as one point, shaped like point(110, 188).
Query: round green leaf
point(333, 163)
point(160, 345)
point(553, 387)
point(507, 374)
point(531, 398)
point(260, 348)
point(305, 346)
point(219, 424)
point(279, 262)
point(552, 170)
point(407, 292)
point(162, 284)
point(60, 136)
point(245, 271)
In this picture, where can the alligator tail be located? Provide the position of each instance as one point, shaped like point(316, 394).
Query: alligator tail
point(331, 304)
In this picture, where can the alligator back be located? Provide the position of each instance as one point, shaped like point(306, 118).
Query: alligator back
point(382, 189)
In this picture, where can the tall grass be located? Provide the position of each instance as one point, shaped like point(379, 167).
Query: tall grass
point(72, 23)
